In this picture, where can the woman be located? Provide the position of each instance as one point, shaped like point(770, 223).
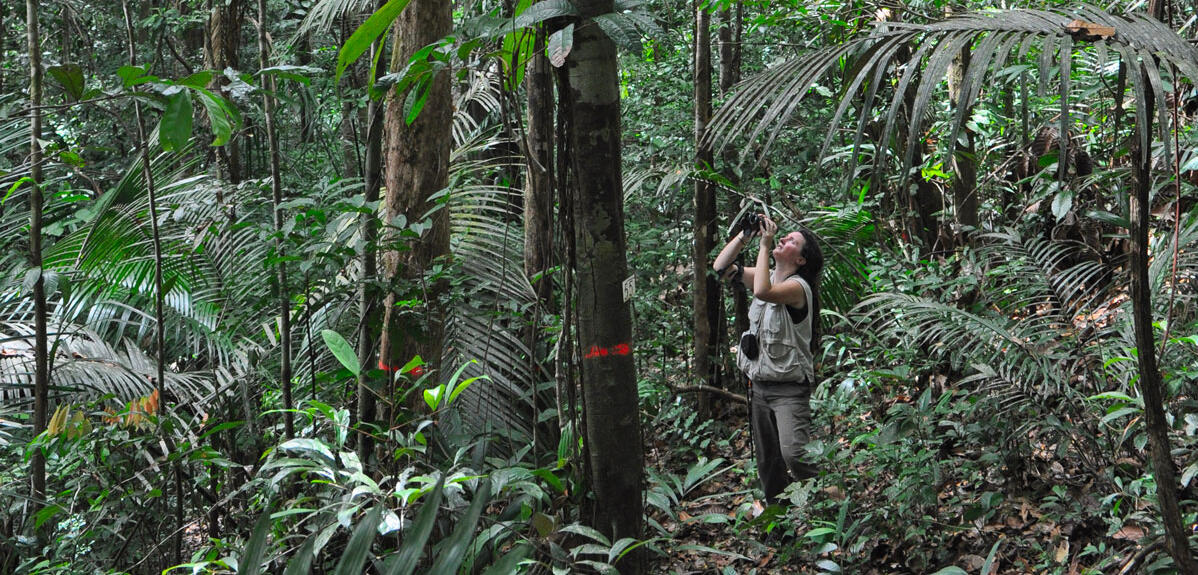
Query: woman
point(784, 322)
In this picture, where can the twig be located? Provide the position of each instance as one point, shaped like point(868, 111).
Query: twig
point(1130, 566)
point(709, 389)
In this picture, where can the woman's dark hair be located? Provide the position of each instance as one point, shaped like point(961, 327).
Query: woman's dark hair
point(810, 272)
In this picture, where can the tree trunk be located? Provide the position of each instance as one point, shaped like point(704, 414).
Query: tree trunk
point(613, 434)
point(368, 296)
point(706, 292)
point(730, 50)
point(224, 40)
point(41, 359)
point(159, 296)
point(539, 186)
point(730, 72)
point(276, 189)
point(417, 166)
point(964, 161)
point(1156, 424)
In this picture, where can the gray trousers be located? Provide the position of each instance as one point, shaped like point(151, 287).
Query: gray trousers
point(781, 418)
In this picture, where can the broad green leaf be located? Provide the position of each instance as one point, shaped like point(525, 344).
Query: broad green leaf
point(200, 79)
point(370, 30)
point(542, 11)
point(404, 562)
point(621, 29)
point(432, 396)
point(828, 566)
point(301, 562)
point(134, 75)
point(71, 78)
point(453, 551)
point(342, 350)
point(255, 549)
point(354, 556)
point(459, 388)
point(508, 563)
point(221, 116)
point(295, 73)
point(819, 532)
point(174, 129)
point(560, 44)
point(586, 531)
point(17, 184)
point(1062, 203)
point(416, 99)
point(951, 570)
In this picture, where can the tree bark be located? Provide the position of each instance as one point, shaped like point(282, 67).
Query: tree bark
point(368, 296)
point(417, 166)
point(730, 51)
point(159, 296)
point(1151, 386)
point(276, 192)
point(706, 288)
point(964, 161)
point(41, 359)
point(613, 434)
point(540, 183)
point(224, 40)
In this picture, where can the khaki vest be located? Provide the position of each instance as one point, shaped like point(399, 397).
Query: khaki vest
point(785, 345)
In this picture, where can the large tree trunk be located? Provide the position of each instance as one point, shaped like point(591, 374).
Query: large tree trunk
point(41, 359)
point(706, 292)
point(417, 166)
point(539, 185)
point(224, 40)
point(613, 435)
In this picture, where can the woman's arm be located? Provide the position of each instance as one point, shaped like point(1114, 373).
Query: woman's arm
point(789, 293)
point(723, 262)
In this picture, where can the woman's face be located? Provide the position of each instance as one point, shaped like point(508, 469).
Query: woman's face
point(790, 248)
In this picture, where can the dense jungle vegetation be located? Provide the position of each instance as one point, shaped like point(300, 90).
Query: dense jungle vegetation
point(413, 286)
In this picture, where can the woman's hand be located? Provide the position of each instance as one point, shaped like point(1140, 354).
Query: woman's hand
point(768, 229)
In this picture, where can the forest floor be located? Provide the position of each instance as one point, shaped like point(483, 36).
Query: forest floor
point(713, 526)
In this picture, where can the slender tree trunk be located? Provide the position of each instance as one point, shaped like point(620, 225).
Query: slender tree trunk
point(706, 292)
point(539, 186)
point(730, 51)
point(224, 41)
point(417, 166)
point(159, 297)
point(3, 41)
point(347, 129)
point(307, 118)
point(41, 359)
point(730, 72)
point(1176, 534)
point(276, 189)
point(965, 167)
point(65, 38)
point(613, 434)
point(368, 296)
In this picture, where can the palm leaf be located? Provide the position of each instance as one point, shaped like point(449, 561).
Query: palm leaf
point(765, 104)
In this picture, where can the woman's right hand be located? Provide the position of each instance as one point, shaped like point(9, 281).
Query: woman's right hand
point(768, 229)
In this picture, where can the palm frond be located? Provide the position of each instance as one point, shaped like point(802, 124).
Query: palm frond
point(766, 103)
